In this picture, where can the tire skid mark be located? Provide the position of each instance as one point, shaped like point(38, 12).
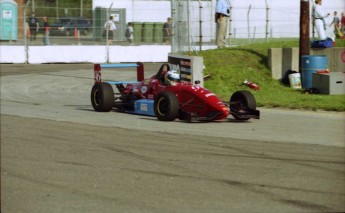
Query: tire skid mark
point(27, 159)
point(74, 190)
point(251, 187)
point(73, 163)
point(22, 102)
point(151, 160)
point(299, 162)
point(247, 154)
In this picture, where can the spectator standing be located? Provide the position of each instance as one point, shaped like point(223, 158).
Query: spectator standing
point(342, 22)
point(33, 26)
point(129, 33)
point(110, 27)
point(336, 22)
point(167, 31)
point(319, 17)
point(222, 17)
point(46, 30)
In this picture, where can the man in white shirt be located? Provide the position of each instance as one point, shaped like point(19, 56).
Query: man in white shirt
point(109, 27)
point(319, 17)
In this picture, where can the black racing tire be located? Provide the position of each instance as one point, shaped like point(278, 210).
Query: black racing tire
point(166, 106)
point(102, 97)
point(242, 99)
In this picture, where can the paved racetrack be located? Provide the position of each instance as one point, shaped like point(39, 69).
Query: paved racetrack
point(58, 155)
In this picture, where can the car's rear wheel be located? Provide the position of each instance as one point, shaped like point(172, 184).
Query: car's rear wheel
point(166, 106)
point(102, 97)
point(242, 101)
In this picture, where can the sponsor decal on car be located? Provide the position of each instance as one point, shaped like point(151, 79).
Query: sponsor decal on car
point(143, 107)
point(143, 89)
point(209, 95)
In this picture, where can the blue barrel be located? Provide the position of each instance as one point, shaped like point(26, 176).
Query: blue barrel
point(311, 64)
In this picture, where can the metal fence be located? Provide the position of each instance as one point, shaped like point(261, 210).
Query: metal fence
point(250, 22)
point(193, 23)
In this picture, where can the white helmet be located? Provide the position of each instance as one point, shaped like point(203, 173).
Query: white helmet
point(172, 76)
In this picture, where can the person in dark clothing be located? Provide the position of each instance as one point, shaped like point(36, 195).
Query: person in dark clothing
point(46, 31)
point(342, 21)
point(33, 25)
point(336, 23)
point(167, 31)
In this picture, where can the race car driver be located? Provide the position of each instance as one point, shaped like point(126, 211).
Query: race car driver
point(171, 78)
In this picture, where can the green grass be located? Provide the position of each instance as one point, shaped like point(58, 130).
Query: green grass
point(229, 67)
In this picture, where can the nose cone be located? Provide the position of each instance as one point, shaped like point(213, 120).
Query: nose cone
point(225, 111)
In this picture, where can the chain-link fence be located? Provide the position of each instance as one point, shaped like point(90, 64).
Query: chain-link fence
point(250, 22)
point(193, 23)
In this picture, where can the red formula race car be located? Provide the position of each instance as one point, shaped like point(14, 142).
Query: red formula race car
point(166, 97)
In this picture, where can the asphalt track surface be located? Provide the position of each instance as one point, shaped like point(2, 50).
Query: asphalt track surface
point(58, 155)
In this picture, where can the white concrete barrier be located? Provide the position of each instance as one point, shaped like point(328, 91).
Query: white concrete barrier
point(12, 54)
point(142, 53)
point(66, 54)
point(84, 54)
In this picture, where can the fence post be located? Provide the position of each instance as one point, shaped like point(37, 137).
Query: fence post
point(188, 24)
point(107, 31)
point(230, 30)
point(25, 34)
point(57, 9)
point(174, 26)
point(200, 25)
point(33, 6)
point(267, 20)
point(248, 25)
point(254, 33)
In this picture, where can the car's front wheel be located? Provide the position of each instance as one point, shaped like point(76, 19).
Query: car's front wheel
point(166, 106)
point(102, 97)
point(242, 101)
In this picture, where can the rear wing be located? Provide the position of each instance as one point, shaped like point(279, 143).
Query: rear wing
point(98, 68)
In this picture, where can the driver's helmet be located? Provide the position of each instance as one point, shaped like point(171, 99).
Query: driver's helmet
point(172, 77)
